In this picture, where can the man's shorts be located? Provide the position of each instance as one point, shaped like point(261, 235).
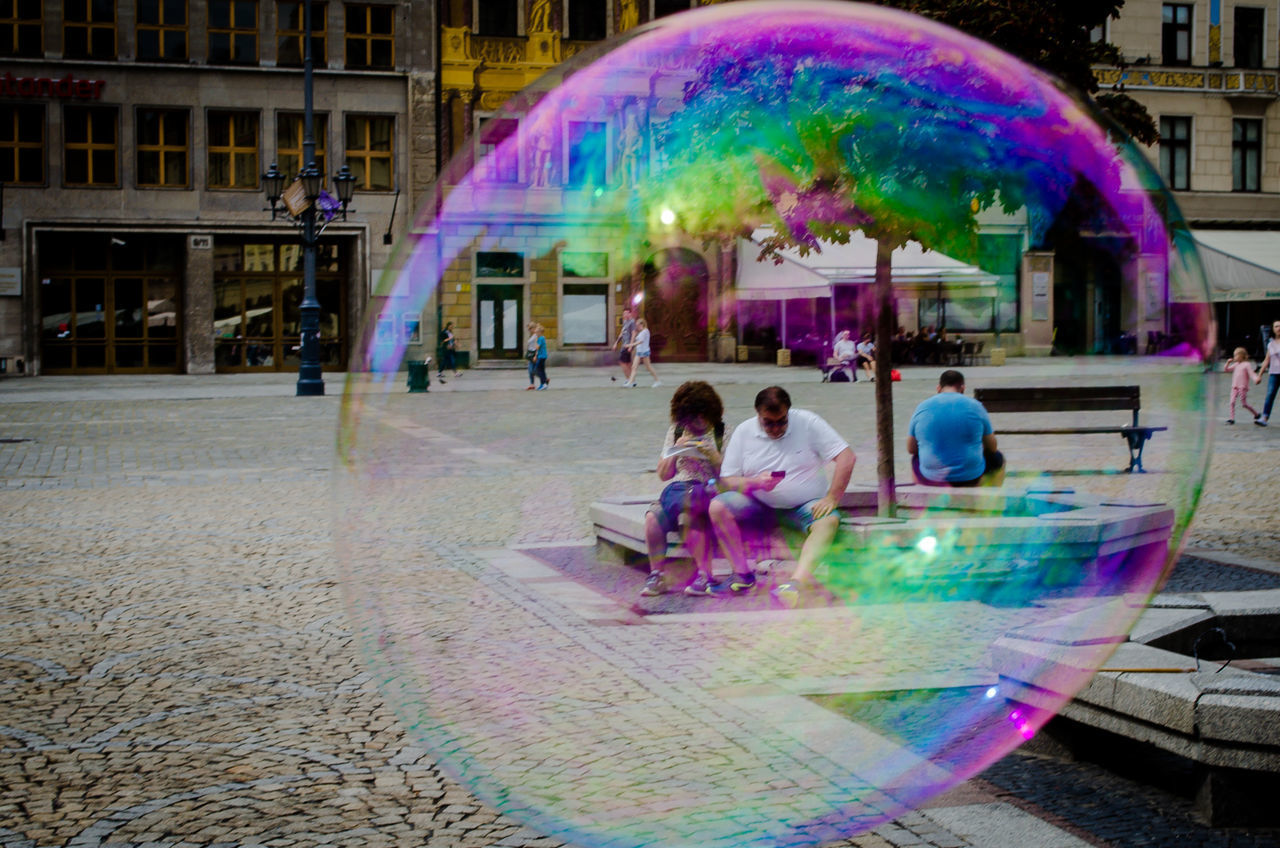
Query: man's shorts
point(994, 462)
point(750, 512)
point(624, 356)
point(677, 497)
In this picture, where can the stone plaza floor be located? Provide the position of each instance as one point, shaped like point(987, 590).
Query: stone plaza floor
point(186, 652)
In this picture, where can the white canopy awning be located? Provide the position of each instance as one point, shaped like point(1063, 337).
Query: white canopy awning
point(1240, 264)
point(914, 268)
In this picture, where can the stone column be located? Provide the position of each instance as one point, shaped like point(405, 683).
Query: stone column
point(197, 305)
point(1037, 303)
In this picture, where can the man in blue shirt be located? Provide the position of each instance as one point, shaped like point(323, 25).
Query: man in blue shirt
point(951, 440)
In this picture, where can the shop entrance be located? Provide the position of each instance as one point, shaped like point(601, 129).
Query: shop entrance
point(258, 290)
point(500, 312)
point(109, 306)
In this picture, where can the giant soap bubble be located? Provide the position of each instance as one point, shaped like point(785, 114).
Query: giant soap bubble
point(744, 141)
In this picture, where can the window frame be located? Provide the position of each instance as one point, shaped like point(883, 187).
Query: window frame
point(90, 145)
point(1246, 152)
point(162, 30)
point(358, 159)
point(593, 285)
point(90, 26)
point(320, 126)
point(19, 26)
point(162, 149)
point(12, 150)
point(1171, 28)
point(1170, 146)
point(368, 37)
point(233, 31)
point(319, 33)
point(597, 8)
point(571, 149)
point(499, 172)
point(233, 151)
point(1259, 34)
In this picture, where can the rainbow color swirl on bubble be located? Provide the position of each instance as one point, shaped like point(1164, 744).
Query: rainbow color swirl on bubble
point(801, 124)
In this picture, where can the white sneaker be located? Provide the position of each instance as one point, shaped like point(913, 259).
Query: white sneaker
point(656, 383)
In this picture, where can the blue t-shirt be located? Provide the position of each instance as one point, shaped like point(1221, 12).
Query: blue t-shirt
point(542, 346)
point(948, 429)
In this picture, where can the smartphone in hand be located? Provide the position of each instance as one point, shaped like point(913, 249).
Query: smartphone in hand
point(778, 474)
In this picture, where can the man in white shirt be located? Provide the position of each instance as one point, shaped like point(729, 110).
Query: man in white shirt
point(773, 473)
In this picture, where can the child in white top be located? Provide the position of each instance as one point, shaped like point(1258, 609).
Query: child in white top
point(1241, 373)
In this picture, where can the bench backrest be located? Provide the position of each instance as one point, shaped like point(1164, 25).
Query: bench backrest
point(1062, 399)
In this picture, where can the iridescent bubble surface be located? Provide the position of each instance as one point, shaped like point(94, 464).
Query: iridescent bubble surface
point(804, 125)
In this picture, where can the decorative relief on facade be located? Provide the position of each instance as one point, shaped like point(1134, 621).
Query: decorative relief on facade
point(491, 101)
point(1174, 79)
point(1108, 76)
point(540, 16)
point(498, 51)
point(1215, 43)
point(457, 44)
point(629, 18)
point(1215, 80)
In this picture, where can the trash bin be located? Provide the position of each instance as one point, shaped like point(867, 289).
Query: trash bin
point(784, 357)
point(419, 375)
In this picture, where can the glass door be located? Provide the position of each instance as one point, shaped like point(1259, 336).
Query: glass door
point(500, 312)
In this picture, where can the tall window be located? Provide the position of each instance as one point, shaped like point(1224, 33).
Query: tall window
point(1248, 36)
point(498, 18)
point(502, 164)
point(369, 151)
point(91, 149)
point(1175, 152)
point(587, 20)
point(163, 146)
point(1246, 154)
point(233, 149)
point(22, 145)
point(662, 8)
point(290, 32)
point(233, 32)
point(1176, 34)
point(89, 29)
point(371, 34)
point(162, 30)
point(21, 29)
point(289, 143)
point(587, 153)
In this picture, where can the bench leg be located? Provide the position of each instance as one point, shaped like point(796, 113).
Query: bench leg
point(1136, 442)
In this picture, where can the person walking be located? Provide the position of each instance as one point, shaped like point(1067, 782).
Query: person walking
point(624, 341)
point(540, 361)
point(643, 354)
point(1241, 373)
point(531, 352)
point(448, 352)
point(1271, 365)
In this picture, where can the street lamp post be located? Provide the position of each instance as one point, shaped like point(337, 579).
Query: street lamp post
point(310, 373)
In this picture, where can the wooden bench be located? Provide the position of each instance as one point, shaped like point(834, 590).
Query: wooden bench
point(1072, 399)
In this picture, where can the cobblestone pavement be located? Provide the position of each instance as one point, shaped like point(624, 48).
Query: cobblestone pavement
point(185, 660)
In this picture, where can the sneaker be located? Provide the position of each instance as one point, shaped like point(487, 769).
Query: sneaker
point(656, 383)
point(543, 386)
point(738, 584)
point(529, 388)
point(1231, 421)
point(655, 585)
point(786, 594)
point(700, 586)
point(1261, 421)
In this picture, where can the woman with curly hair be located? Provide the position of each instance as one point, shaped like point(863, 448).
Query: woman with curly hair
point(690, 459)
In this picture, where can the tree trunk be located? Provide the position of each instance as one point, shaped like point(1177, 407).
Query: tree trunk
point(886, 503)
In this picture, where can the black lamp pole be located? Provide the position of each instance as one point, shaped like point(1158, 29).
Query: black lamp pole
point(310, 379)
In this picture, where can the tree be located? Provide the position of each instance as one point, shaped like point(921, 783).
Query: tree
point(1055, 36)
point(819, 129)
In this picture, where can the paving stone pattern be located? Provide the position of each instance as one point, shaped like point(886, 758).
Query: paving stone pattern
point(178, 663)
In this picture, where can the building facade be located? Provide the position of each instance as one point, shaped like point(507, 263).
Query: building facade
point(1207, 71)
point(133, 139)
